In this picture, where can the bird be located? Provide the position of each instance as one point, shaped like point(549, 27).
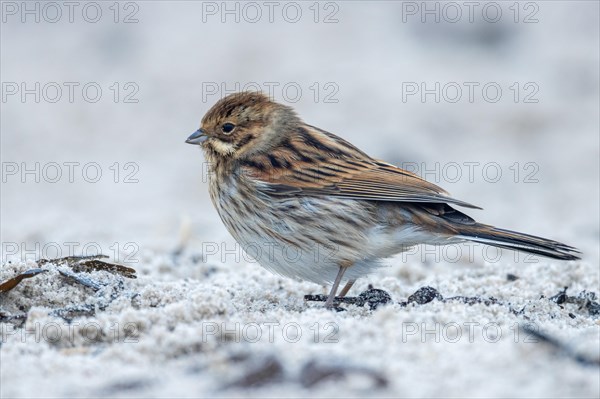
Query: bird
point(312, 206)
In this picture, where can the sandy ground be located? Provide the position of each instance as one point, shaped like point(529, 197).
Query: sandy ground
point(202, 319)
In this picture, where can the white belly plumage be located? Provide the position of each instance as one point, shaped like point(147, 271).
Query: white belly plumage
point(308, 238)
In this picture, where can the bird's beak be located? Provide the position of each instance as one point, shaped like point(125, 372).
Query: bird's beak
point(198, 137)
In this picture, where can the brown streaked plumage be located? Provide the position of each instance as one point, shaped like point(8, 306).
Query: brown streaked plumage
point(312, 206)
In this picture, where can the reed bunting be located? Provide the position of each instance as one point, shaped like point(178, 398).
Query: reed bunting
point(317, 208)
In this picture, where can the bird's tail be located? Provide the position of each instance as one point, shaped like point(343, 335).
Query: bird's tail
point(490, 235)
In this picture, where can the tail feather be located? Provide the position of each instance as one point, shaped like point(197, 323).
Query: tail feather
point(518, 242)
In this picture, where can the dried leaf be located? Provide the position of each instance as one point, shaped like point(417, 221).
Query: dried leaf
point(91, 265)
point(70, 260)
point(13, 282)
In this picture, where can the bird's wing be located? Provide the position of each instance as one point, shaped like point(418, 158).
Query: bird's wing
point(317, 163)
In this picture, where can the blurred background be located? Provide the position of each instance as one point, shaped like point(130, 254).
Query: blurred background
point(496, 102)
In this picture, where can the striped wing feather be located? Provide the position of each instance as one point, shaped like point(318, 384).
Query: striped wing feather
point(317, 163)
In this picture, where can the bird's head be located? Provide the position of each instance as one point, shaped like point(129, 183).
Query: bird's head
point(243, 124)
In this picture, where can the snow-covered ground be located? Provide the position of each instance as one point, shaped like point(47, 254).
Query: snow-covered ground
point(514, 129)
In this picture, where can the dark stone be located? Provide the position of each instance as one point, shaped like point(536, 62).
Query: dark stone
point(268, 372)
point(374, 297)
point(585, 300)
point(561, 297)
point(314, 373)
point(472, 300)
point(425, 295)
point(593, 308)
point(125, 386)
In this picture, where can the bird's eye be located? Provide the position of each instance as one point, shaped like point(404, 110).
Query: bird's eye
point(228, 127)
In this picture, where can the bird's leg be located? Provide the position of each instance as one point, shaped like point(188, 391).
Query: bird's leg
point(336, 283)
point(346, 288)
